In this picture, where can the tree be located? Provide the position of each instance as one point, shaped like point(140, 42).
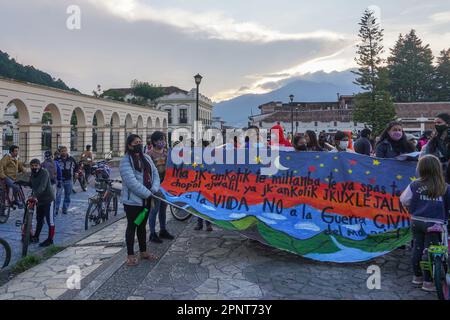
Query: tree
point(114, 95)
point(411, 69)
point(374, 107)
point(146, 91)
point(442, 77)
point(369, 52)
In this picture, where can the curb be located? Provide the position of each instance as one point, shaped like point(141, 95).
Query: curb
point(7, 275)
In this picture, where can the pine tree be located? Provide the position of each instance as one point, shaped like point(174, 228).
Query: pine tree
point(374, 107)
point(411, 70)
point(442, 77)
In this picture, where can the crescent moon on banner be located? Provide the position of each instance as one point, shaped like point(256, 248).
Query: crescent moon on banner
point(278, 165)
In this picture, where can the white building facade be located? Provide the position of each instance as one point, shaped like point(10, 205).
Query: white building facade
point(181, 109)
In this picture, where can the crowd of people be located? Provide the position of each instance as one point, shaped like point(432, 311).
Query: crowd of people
point(143, 169)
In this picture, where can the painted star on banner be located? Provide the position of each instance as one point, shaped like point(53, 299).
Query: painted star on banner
point(413, 179)
point(258, 160)
point(322, 165)
point(353, 162)
point(368, 172)
point(350, 171)
point(399, 177)
point(376, 162)
point(195, 165)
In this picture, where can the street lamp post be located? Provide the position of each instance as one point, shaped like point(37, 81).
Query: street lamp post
point(296, 120)
point(291, 98)
point(198, 79)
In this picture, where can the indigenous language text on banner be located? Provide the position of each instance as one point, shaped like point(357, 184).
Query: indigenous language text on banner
point(337, 207)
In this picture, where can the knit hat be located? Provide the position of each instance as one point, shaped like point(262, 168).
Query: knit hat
point(445, 117)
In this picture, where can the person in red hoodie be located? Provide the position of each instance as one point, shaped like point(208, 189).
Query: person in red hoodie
point(279, 131)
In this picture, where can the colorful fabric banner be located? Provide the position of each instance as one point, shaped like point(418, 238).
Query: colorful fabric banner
point(336, 207)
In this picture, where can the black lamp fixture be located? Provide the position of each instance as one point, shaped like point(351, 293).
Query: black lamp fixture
point(198, 79)
point(291, 98)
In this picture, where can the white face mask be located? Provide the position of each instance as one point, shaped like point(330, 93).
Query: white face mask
point(343, 145)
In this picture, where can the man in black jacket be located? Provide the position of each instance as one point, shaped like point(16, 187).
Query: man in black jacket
point(43, 192)
point(69, 169)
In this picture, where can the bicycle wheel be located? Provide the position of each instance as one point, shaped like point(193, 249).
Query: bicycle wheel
point(180, 214)
point(5, 253)
point(26, 231)
point(440, 278)
point(92, 215)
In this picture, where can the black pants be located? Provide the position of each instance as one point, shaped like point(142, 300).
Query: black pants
point(42, 211)
point(200, 222)
point(132, 212)
point(422, 240)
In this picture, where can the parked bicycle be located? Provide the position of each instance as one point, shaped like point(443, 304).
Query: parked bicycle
point(81, 177)
point(26, 223)
point(106, 200)
point(437, 263)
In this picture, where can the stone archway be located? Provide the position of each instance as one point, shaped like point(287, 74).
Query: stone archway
point(77, 130)
point(140, 130)
point(51, 120)
point(13, 119)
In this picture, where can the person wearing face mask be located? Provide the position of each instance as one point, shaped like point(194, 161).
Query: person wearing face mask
point(393, 142)
point(439, 145)
point(341, 142)
point(42, 190)
point(159, 155)
point(140, 181)
point(300, 144)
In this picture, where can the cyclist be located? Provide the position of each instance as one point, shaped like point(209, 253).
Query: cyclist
point(87, 158)
point(42, 189)
point(428, 200)
point(69, 167)
point(10, 166)
point(159, 155)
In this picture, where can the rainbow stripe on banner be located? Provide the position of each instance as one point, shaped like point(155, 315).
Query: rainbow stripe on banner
point(336, 207)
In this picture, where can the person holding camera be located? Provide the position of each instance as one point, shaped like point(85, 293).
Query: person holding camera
point(439, 145)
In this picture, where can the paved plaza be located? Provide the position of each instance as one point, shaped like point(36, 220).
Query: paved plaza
point(205, 265)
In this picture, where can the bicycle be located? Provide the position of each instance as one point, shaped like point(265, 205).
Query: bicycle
point(104, 202)
point(7, 204)
point(5, 253)
point(26, 223)
point(180, 214)
point(437, 263)
point(81, 177)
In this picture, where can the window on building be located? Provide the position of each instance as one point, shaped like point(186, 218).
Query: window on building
point(335, 123)
point(183, 116)
point(316, 124)
point(355, 124)
point(169, 116)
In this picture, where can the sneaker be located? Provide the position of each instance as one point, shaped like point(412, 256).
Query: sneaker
point(46, 243)
point(198, 227)
point(164, 234)
point(417, 280)
point(209, 228)
point(154, 238)
point(34, 239)
point(56, 212)
point(429, 287)
point(64, 212)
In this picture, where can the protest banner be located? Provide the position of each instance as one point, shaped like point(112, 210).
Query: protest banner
point(336, 207)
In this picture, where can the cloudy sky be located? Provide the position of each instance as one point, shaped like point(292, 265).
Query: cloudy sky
point(239, 46)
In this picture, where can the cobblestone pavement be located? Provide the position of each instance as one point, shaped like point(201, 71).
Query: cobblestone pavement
point(66, 226)
point(201, 265)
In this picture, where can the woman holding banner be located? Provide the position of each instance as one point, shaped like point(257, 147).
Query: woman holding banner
point(140, 181)
point(393, 142)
